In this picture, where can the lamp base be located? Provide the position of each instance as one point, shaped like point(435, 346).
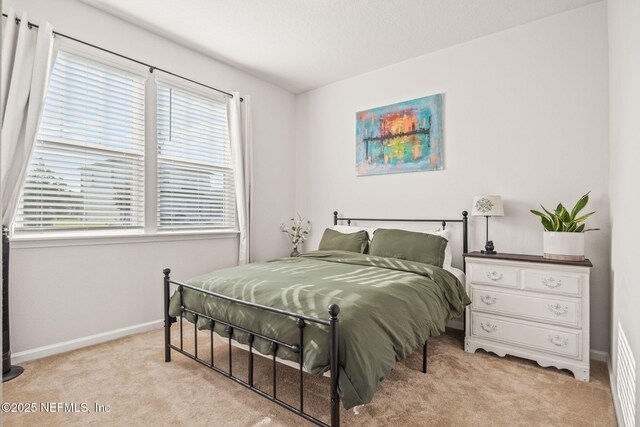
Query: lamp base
point(489, 248)
point(12, 373)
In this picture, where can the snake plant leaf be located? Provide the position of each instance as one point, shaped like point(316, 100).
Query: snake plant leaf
point(540, 214)
point(580, 228)
point(572, 227)
point(580, 205)
point(548, 213)
point(564, 215)
point(558, 209)
point(556, 223)
point(591, 229)
point(583, 217)
point(547, 223)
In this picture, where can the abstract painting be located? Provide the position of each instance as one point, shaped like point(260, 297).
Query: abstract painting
point(402, 137)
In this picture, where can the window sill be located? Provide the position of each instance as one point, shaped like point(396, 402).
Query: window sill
point(40, 241)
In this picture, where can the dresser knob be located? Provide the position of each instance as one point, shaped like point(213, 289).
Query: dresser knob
point(494, 275)
point(552, 282)
point(488, 299)
point(488, 327)
point(558, 340)
point(558, 309)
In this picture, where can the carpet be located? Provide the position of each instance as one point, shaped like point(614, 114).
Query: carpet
point(460, 389)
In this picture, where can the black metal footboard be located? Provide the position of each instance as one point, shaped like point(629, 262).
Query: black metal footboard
point(297, 348)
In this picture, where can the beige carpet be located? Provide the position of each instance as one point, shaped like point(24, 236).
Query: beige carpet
point(461, 389)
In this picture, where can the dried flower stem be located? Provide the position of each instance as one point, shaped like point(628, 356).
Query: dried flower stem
point(298, 231)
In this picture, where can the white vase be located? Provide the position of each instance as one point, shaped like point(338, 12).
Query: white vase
point(563, 246)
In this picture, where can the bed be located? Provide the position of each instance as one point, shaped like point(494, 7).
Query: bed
point(380, 309)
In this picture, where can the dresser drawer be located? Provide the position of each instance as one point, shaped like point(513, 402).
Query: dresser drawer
point(496, 275)
point(547, 309)
point(525, 334)
point(551, 282)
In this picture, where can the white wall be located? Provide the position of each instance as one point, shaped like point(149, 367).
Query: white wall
point(66, 293)
point(525, 117)
point(624, 122)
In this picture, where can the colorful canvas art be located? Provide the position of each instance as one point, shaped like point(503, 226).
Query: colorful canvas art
point(402, 137)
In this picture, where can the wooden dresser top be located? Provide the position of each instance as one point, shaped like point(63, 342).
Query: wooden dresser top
point(527, 258)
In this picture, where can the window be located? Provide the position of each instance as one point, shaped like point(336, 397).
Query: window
point(195, 175)
point(87, 170)
point(91, 159)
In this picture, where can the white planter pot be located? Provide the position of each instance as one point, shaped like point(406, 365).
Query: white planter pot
point(563, 246)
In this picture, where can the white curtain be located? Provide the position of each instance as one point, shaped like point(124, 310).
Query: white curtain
point(27, 55)
point(240, 137)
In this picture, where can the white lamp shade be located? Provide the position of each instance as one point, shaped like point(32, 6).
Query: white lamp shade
point(487, 206)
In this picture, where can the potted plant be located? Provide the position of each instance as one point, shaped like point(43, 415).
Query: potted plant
point(564, 231)
point(297, 233)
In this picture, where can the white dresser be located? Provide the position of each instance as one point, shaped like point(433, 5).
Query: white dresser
point(529, 307)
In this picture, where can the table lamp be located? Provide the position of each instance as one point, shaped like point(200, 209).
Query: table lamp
point(487, 206)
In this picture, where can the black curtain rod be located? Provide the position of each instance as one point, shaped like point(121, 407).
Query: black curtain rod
point(151, 67)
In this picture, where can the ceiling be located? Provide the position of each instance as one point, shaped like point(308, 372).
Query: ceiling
point(304, 44)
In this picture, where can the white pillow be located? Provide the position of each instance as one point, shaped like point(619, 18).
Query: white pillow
point(445, 234)
point(348, 229)
point(446, 264)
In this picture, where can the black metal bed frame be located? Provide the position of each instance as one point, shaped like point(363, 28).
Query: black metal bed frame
point(296, 348)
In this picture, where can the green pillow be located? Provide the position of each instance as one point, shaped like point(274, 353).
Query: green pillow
point(352, 242)
point(409, 245)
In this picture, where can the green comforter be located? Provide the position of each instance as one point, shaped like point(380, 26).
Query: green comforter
point(388, 308)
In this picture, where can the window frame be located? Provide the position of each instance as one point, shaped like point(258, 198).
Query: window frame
point(198, 90)
point(149, 232)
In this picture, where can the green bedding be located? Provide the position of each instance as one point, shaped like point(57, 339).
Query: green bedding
point(388, 308)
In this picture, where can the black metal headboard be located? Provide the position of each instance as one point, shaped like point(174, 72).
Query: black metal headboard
point(443, 222)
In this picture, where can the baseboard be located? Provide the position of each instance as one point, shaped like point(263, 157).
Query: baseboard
point(50, 350)
point(456, 324)
point(597, 355)
point(614, 395)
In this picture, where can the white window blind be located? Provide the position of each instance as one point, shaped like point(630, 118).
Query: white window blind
point(87, 170)
point(195, 175)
